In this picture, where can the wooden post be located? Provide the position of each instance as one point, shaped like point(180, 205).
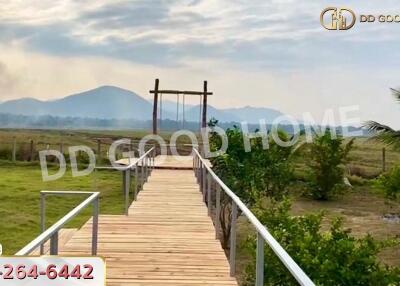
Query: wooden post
point(383, 159)
point(204, 120)
point(14, 150)
point(155, 108)
point(98, 149)
point(31, 151)
point(62, 148)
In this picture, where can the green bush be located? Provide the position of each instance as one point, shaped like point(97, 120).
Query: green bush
point(390, 183)
point(250, 175)
point(332, 257)
point(258, 173)
point(326, 158)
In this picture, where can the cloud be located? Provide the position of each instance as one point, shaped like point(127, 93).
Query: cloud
point(270, 52)
point(259, 34)
point(8, 81)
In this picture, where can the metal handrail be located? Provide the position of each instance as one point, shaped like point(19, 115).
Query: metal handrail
point(52, 232)
point(146, 165)
point(263, 235)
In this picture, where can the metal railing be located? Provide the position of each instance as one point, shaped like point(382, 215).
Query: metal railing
point(142, 167)
point(205, 175)
point(52, 232)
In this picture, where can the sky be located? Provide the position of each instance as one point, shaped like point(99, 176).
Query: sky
point(263, 53)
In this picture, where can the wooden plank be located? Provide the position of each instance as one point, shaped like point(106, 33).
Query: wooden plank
point(167, 239)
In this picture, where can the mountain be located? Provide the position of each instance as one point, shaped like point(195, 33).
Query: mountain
point(193, 114)
point(104, 102)
point(254, 114)
point(251, 115)
point(110, 102)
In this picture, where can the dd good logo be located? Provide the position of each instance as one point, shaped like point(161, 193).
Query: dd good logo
point(333, 18)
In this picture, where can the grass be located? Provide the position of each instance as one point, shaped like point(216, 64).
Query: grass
point(20, 185)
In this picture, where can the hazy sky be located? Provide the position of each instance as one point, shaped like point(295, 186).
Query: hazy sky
point(266, 53)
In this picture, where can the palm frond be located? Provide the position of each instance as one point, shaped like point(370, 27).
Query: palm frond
point(396, 94)
point(384, 133)
point(374, 126)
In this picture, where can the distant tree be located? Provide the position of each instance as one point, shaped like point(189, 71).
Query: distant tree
point(327, 156)
point(385, 133)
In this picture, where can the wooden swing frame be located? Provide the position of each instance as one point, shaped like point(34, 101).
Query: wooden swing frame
point(156, 92)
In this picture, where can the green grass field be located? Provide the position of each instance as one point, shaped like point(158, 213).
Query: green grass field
point(20, 185)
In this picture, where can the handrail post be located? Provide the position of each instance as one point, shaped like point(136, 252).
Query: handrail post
point(260, 261)
point(217, 212)
point(195, 167)
point(145, 168)
point(54, 244)
point(141, 175)
point(123, 181)
point(95, 226)
point(42, 218)
point(209, 194)
point(127, 175)
point(204, 188)
point(232, 252)
point(136, 181)
point(199, 170)
point(201, 177)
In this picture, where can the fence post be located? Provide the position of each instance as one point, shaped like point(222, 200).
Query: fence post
point(260, 261)
point(383, 159)
point(99, 150)
point(14, 150)
point(232, 250)
point(62, 148)
point(31, 151)
point(95, 227)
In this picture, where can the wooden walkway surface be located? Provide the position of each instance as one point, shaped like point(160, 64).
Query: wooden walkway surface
point(167, 239)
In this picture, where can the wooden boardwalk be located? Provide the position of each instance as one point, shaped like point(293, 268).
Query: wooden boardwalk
point(167, 239)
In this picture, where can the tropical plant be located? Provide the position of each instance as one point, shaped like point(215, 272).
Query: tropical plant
point(385, 133)
point(327, 156)
point(330, 257)
point(390, 183)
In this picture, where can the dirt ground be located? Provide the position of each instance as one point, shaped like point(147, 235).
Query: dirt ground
point(363, 212)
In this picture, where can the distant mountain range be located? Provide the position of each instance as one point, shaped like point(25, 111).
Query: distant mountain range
point(109, 102)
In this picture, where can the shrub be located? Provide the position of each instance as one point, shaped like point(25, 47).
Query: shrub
point(327, 156)
point(390, 183)
point(332, 258)
point(250, 175)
